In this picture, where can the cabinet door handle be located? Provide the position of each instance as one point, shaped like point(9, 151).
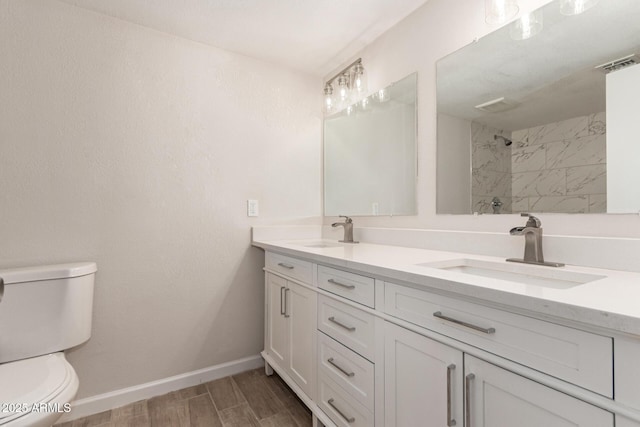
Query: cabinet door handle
point(439, 315)
point(450, 421)
point(285, 302)
point(287, 266)
point(1, 288)
point(342, 325)
point(340, 368)
point(333, 282)
point(281, 303)
point(346, 417)
point(467, 392)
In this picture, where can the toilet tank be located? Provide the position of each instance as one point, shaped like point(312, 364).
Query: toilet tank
point(45, 309)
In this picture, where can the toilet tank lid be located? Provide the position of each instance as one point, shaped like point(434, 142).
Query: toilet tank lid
point(47, 272)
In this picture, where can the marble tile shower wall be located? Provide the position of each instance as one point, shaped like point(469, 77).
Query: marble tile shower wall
point(560, 167)
point(490, 169)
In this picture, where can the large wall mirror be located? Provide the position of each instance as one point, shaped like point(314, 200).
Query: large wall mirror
point(547, 123)
point(370, 154)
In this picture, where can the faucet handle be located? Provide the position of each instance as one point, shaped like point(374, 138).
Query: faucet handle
point(532, 221)
point(347, 220)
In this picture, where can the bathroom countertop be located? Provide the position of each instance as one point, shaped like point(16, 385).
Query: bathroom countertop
point(611, 302)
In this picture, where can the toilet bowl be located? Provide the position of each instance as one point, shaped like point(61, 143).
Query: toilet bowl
point(38, 390)
point(44, 310)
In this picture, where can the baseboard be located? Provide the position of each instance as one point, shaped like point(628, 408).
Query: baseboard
point(114, 399)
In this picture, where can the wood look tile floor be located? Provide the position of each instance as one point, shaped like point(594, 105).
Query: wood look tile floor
point(247, 399)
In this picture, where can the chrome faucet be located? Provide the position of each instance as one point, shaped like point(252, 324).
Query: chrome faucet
point(348, 229)
point(532, 232)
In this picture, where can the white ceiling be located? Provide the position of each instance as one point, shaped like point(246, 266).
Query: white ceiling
point(315, 36)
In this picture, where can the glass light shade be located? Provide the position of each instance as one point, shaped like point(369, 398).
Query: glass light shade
point(500, 11)
point(329, 104)
point(360, 81)
point(575, 7)
point(343, 90)
point(527, 26)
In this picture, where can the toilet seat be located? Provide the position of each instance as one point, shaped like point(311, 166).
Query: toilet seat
point(44, 380)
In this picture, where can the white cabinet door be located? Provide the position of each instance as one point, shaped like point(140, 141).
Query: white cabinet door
point(277, 332)
point(423, 381)
point(300, 307)
point(499, 398)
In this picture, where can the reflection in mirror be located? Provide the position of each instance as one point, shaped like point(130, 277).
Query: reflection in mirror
point(370, 154)
point(543, 124)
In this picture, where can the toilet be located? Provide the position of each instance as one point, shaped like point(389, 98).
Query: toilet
point(44, 310)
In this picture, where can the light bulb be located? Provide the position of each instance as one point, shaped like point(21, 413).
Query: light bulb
point(500, 11)
point(343, 88)
point(329, 103)
point(575, 7)
point(360, 80)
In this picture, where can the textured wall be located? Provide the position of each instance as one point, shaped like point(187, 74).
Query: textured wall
point(138, 150)
point(435, 30)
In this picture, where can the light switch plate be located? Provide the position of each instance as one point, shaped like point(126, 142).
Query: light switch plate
point(252, 208)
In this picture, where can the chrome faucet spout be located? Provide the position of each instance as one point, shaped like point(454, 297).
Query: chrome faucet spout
point(348, 229)
point(517, 231)
point(532, 233)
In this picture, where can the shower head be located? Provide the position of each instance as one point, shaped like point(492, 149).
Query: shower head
point(506, 141)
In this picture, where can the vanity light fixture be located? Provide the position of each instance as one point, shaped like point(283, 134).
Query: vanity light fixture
point(351, 87)
point(500, 11)
point(575, 7)
point(527, 26)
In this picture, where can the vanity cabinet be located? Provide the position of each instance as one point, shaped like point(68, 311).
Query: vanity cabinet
point(291, 321)
point(423, 381)
point(496, 397)
point(362, 351)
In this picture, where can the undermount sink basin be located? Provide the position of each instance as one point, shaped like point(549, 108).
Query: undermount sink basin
point(548, 277)
point(322, 245)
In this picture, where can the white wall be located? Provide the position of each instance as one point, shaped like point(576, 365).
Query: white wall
point(437, 29)
point(138, 150)
point(623, 104)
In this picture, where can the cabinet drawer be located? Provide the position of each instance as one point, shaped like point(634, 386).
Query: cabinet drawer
point(341, 407)
point(351, 286)
point(347, 325)
point(289, 266)
point(579, 357)
point(352, 372)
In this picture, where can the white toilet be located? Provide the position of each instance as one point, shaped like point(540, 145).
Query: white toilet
point(44, 310)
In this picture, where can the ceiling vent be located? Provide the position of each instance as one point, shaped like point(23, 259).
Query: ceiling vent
point(618, 64)
point(497, 105)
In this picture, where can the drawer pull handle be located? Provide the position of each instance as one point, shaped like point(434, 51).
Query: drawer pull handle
point(450, 422)
point(340, 368)
point(342, 325)
point(467, 392)
point(333, 282)
point(282, 312)
point(285, 302)
point(439, 315)
point(346, 418)
point(287, 266)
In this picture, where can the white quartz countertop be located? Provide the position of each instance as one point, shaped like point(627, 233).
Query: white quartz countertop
point(611, 302)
